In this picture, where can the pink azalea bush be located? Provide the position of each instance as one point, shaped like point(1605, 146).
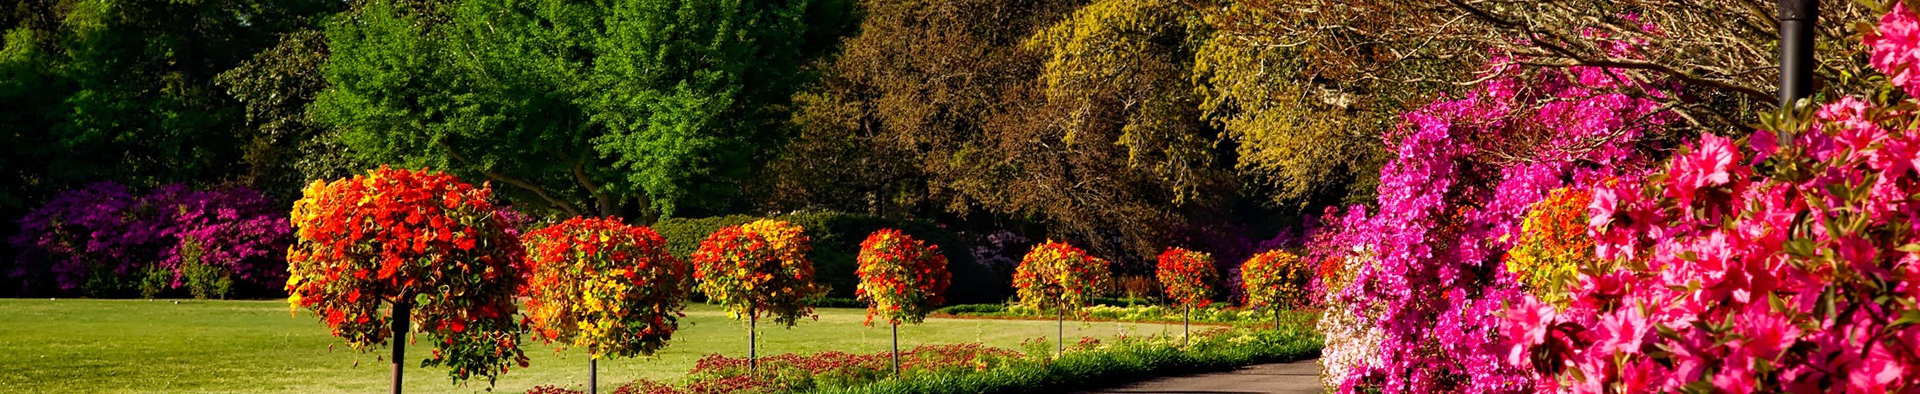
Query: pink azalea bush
point(1428, 279)
point(1789, 262)
point(93, 240)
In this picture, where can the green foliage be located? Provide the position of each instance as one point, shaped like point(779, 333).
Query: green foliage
point(1308, 143)
point(836, 247)
point(633, 107)
point(203, 280)
point(109, 89)
point(1121, 68)
point(285, 149)
point(971, 308)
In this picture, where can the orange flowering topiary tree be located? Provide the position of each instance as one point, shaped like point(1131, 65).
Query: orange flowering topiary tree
point(902, 278)
point(1060, 277)
point(1188, 277)
point(429, 248)
point(1276, 280)
point(756, 269)
point(603, 285)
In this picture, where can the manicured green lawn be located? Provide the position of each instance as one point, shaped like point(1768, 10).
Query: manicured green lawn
point(140, 346)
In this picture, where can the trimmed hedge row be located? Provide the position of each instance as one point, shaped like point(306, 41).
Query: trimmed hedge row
point(836, 245)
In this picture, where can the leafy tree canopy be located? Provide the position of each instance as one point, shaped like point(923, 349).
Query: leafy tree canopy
point(633, 108)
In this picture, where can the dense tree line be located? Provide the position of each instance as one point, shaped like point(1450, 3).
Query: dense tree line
point(1123, 125)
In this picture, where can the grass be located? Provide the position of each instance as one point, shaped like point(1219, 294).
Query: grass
point(141, 346)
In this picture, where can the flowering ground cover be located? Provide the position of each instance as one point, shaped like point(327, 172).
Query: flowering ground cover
point(139, 346)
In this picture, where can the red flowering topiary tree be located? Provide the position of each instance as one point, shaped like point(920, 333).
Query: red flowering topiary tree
point(603, 285)
point(1188, 277)
point(755, 269)
point(425, 245)
point(902, 278)
point(1276, 280)
point(1059, 277)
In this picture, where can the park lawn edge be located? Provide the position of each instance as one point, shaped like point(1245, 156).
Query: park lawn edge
point(1093, 369)
point(1019, 317)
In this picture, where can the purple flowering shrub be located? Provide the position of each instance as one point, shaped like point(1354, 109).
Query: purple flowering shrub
point(100, 240)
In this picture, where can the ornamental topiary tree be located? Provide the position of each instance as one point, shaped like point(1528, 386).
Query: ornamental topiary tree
point(902, 278)
point(1276, 280)
point(430, 248)
point(603, 285)
point(1059, 277)
point(1188, 277)
point(755, 269)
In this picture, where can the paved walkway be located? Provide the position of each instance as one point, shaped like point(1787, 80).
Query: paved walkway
point(1290, 378)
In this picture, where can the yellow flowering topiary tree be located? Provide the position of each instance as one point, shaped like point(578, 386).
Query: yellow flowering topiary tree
point(1058, 277)
point(603, 285)
point(903, 278)
point(756, 269)
point(1276, 280)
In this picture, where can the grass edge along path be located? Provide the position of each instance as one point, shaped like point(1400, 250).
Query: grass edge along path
point(1126, 362)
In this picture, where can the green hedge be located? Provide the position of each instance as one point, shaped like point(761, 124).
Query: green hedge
point(836, 244)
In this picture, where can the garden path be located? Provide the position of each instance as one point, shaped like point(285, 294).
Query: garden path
point(1298, 377)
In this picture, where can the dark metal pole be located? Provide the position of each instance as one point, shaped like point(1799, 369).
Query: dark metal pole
point(1798, 21)
point(402, 312)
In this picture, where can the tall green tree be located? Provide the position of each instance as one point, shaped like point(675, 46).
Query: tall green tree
point(630, 107)
point(92, 90)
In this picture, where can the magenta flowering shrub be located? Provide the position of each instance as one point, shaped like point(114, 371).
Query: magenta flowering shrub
point(102, 234)
point(1428, 280)
point(1788, 263)
point(240, 231)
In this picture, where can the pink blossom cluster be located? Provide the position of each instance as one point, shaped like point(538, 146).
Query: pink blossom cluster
point(1431, 283)
point(1790, 262)
point(1895, 47)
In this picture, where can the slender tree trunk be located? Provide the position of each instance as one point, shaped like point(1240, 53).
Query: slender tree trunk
point(1186, 327)
point(402, 315)
point(593, 375)
point(753, 341)
point(896, 350)
point(1276, 317)
point(1060, 343)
